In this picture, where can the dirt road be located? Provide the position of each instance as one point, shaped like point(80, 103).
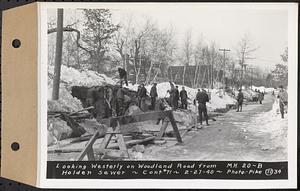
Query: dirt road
point(234, 136)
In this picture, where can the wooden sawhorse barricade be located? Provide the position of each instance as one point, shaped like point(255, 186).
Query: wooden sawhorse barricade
point(114, 129)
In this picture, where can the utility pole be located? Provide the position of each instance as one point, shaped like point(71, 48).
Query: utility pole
point(251, 76)
point(58, 54)
point(224, 51)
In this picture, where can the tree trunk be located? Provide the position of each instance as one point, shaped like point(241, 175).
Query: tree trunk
point(183, 75)
point(58, 54)
point(149, 73)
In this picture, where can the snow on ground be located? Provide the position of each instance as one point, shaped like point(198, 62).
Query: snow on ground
point(263, 89)
point(271, 122)
point(248, 93)
point(75, 77)
point(72, 77)
point(218, 100)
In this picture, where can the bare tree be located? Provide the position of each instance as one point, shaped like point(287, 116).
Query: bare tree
point(187, 51)
point(198, 59)
point(245, 50)
point(136, 42)
point(121, 39)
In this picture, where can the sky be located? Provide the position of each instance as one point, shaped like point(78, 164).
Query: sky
point(267, 27)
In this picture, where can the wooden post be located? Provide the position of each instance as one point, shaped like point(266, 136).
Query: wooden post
point(121, 143)
point(163, 129)
point(175, 128)
point(58, 54)
point(89, 149)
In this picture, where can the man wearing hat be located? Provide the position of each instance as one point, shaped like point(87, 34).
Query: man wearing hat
point(283, 100)
point(142, 97)
point(202, 98)
point(183, 98)
point(153, 95)
point(240, 99)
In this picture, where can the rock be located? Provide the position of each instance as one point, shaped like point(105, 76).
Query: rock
point(91, 126)
point(265, 148)
point(160, 142)
point(185, 118)
point(136, 155)
point(138, 148)
point(114, 154)
point(133, 110)
point(51, 139)
point(59, 129)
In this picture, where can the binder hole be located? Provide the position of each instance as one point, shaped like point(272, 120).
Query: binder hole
point(16, 43)
point(15, 146)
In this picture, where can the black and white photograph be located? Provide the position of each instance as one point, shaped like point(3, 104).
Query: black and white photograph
point(168, 83)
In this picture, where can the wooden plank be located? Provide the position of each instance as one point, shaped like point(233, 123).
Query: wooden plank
point(120, 139)
point(175, 128)
point(123, 120)
point(132, 142)
point(73, 113)
point(163, 129)
point(90, 154)
point(88, 146)
point(105, 141)
point(113, 146)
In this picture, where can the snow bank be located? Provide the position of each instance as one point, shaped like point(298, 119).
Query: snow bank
point(260, 88)
point(263, 89)
point(271, 122)
point(218, 100)
point(72, 77)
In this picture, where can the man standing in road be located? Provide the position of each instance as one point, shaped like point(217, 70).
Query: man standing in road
point(202, 98)
point(260, 97)
point(183, 98)
point(153, 95)
point(283, 100)
point(240, 99)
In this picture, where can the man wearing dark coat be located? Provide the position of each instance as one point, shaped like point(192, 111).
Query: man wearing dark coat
point(175, 98)
point(240, 99)
point(142, 97)
point(183, 98)
point(153, 95)
point(202, 98)
point(123, 76)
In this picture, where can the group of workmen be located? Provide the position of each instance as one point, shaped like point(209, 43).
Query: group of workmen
point(174, 98)
point(260, 96)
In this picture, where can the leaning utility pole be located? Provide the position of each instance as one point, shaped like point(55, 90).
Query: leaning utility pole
point(224, 51)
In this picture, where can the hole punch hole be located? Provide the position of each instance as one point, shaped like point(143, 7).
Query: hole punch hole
point(16, 43)
point(15, 146)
